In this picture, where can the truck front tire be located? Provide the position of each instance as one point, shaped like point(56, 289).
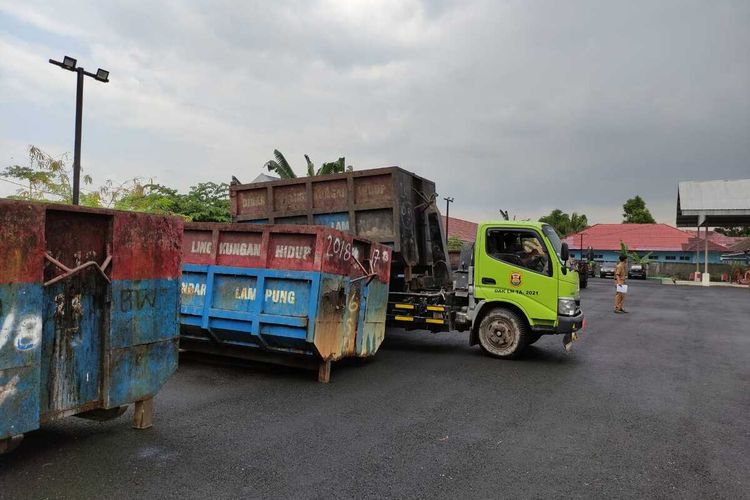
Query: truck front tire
point(503, 334)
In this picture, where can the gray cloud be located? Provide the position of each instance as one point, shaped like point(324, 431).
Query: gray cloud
point(527, 106)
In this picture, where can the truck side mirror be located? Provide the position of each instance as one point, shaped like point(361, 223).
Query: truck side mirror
point(564, 256)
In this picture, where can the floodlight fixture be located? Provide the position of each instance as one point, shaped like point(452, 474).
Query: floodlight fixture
point(102, 75)
point(69, 63)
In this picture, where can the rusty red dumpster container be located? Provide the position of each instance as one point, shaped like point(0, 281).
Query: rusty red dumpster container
point(88, 313)
point(300, 295)
point(389, 205)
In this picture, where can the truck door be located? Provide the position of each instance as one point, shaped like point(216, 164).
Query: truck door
point(514, 265)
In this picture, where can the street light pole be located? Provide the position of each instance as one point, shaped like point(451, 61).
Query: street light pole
point(77, 148)
point(448, 201)
point(101, 75)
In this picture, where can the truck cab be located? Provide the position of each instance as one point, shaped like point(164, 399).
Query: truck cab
point(519, 288)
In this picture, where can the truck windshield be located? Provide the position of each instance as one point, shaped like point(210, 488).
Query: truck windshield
point(553, 238)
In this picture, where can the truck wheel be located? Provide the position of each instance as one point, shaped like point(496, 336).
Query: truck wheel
point(502, 333)
point(9, 444)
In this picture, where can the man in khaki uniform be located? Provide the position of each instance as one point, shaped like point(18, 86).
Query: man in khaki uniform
point(621, 273)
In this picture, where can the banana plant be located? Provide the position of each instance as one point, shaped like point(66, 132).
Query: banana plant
point(280, 166)
point(643, 260)
point(285, 171)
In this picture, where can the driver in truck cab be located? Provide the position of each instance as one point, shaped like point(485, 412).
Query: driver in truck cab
point(533, 256)
point(525, 252)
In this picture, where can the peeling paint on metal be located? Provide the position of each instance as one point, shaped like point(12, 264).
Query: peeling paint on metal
point(103, 336)
point(8, 390)
point(306, 291)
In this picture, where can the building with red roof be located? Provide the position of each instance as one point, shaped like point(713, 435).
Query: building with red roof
point(464, 230)
point(721, 239)
point(666, 243)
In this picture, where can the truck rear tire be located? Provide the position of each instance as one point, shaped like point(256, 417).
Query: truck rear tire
point(503, 334)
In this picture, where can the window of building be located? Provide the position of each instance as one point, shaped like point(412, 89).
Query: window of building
point(670, 257)
point(520, 248)
point(599, 256)
point(684, 257)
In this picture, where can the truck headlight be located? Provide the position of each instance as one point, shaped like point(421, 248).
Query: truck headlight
point(566, 306)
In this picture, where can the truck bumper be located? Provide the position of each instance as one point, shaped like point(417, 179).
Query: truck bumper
point(570, 324)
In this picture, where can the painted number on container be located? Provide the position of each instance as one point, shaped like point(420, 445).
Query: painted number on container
point(338, 248)
point(377, 256)
point(26, 328)
point(353, 306)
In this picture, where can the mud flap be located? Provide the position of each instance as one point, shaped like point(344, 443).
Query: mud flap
point(568, 340)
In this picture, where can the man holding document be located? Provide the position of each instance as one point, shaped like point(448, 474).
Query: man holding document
point(621, 272)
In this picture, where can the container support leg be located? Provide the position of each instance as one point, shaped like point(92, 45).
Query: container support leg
point(143, 415)
point(324, 372)
point(9, 444)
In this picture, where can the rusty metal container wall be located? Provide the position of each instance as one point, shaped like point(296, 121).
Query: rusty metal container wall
point(88, 310)
point(308, 291)
point(21, 267)
point(387, 205)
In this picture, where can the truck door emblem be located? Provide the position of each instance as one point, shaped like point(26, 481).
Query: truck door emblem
point(515, 279)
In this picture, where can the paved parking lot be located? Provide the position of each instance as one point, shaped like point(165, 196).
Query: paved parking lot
point(653, 403)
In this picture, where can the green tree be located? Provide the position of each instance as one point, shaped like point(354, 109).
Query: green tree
point(559, 220)
point(150, 197)
point(635, 212)
point(455, 244)
point(578, 222)
point(48, 179)
point(204, 202)
point(565, 224)
point(281, 166)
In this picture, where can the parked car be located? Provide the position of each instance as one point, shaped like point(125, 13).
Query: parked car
point(607, 270)
point(637, 271)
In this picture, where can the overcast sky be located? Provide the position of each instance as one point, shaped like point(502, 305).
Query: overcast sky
point(522, 105)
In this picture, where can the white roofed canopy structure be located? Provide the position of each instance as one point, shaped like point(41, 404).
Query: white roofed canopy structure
point(713, 204)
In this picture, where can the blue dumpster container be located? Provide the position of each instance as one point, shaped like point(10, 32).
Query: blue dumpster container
point(88, 313)
point(304, 295)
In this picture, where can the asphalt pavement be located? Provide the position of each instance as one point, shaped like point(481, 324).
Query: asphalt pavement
point(655, 403)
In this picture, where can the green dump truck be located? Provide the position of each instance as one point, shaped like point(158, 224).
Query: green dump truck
point(513, 284)
point(518, 288)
